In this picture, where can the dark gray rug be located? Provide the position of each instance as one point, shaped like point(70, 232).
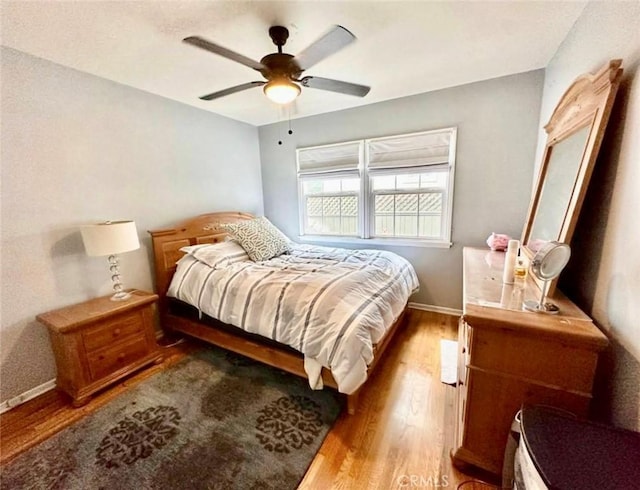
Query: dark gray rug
point(215, 420)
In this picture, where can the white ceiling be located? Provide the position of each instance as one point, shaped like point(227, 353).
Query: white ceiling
point(403, 48)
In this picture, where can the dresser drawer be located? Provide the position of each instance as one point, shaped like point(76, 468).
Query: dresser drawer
point(109, 360)
point(113, 330)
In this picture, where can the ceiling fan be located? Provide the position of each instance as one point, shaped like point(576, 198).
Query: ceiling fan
point(282, 71)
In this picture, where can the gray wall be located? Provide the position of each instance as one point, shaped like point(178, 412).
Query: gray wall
point(497, 124)
point(603, 276)
point(75, 149)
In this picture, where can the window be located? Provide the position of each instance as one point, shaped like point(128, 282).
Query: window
point(409, 205)
point(330, 189)
point(391, 189)
point(331, 206)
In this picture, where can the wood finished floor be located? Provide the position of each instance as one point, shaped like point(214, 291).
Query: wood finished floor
point(401, 433)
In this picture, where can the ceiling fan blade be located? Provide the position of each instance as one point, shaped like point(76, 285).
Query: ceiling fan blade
point(227, 53)
point(231, 90)
point(335, 86)
point(332, 42)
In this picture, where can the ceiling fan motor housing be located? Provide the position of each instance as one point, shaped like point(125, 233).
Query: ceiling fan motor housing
point(280, 65)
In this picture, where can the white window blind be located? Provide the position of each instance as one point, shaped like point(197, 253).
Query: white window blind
point(343, 157)
point(412, 150)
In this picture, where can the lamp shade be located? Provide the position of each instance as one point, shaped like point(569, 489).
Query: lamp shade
point(110, 238)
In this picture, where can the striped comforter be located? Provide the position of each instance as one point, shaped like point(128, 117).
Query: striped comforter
point(330, 304)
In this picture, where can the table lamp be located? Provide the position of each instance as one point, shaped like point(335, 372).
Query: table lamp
point(111, 238)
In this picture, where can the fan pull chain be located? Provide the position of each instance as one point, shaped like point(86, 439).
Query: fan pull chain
point(289, 114)
point(280, 114)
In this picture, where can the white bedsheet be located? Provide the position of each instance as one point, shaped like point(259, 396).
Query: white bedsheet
point(330, 304)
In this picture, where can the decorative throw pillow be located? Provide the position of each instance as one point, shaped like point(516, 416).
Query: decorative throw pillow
point(259, 237)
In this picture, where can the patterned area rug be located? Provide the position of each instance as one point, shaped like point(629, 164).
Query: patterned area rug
point(215, 420)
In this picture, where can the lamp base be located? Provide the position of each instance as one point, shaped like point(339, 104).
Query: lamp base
point(120, 296)
point(546, 307)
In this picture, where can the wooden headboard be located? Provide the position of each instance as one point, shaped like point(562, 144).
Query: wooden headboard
point(193, 231)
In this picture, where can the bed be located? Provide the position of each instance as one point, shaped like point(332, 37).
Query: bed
point(240, 305)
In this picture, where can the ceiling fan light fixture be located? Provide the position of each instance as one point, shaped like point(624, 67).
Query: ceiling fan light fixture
point(281, 90)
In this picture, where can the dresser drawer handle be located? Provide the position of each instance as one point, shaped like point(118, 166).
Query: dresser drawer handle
point(120, 357)
point(116, 332)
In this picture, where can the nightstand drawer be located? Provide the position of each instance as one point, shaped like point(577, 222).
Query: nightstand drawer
point(109, 360)
point(113, 330)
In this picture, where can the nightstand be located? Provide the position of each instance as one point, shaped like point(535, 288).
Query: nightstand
point(97, 342)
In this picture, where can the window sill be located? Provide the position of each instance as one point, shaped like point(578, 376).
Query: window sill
point(390, 242)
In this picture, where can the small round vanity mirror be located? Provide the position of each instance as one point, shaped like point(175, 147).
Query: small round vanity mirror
point(546, 265)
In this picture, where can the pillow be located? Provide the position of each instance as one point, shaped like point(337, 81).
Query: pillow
point(217, 255)
point(261, 239)
point(192, 248)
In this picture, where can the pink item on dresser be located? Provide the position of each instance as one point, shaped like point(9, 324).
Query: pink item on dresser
point(498, 242)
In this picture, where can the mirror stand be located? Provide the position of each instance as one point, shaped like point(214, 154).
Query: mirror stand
point(546, 266)
point(542, 306)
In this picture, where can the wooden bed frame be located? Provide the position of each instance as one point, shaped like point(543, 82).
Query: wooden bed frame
point(206, 229)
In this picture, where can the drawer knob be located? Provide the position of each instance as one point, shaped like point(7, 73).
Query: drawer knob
point(116, 332)
point(121, 357)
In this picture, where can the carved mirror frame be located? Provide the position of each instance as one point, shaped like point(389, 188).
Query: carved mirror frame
point(586, 105)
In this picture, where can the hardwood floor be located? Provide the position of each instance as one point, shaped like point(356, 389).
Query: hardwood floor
point(400, 436)
point(403, 429)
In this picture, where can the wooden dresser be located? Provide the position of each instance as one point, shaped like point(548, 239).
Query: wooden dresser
point(97, 342)
point(507, 357)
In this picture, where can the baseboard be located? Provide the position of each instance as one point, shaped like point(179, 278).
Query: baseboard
point(435, 309)
point(27, 395)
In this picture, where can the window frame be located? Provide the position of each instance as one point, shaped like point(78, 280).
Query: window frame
point(366, 196)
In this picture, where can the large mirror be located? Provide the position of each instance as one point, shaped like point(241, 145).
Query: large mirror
point(574, 134)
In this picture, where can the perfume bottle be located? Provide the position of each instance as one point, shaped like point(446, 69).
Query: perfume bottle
point(520, 273)
point(519, 280)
